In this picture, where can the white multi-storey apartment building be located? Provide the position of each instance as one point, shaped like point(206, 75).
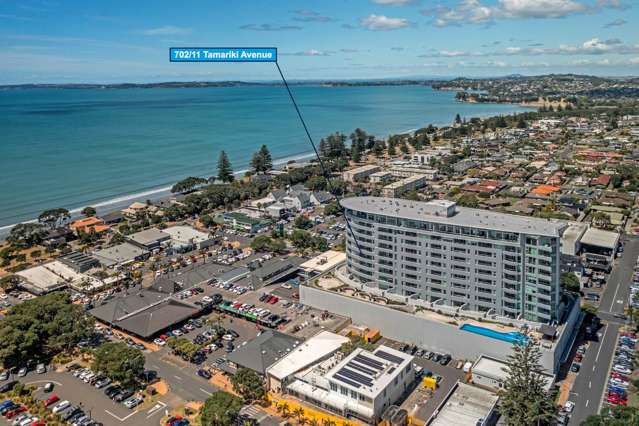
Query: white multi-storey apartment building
point(439, 252)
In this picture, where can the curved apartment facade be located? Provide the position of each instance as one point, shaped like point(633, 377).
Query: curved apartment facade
point(439, 252)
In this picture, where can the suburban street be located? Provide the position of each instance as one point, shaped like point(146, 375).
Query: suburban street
point(588, 389)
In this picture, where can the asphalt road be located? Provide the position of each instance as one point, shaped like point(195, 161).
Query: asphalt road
point(588, 389)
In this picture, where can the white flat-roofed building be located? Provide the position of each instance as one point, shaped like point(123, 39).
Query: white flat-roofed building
point(478, 260)
point(466, 405)
point(396, 189)
point(360, 172)
point(410, 169)
point(492, 373)
point(361, 385)
point(187, 235)
point(323, 262)
point(314, 350)
point(48, 277)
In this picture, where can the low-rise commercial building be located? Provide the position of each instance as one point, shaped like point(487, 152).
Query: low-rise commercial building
point(263, 351)
point(149, 239)
point(188, 236)
point(466, 405)
point(314, 350)
point(361, 385)
point(120, 255)
point(381, 177)
point(492, 373)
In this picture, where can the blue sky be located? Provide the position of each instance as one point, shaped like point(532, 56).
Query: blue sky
point(118, 41)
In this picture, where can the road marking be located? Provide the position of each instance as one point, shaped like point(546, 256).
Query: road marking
point(120, 418)
point(45, 381)
point(601, 346)
point(177, 377)
point(587, 401)
point(157, 408)
point(589, 385)
point(615, 296)
point(206, 392)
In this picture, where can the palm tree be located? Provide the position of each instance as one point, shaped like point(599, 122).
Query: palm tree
point(284, 409)
point(328, 422)
point(299, 413)
point(314, 422)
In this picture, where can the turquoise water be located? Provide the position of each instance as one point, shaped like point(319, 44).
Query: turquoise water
point(512, 337)
point(73, 148)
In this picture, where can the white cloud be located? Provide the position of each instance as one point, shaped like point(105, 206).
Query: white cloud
point(541, 8)
point(594, 46)
point(305, 15)
point(478, 12)
point(166, 30)
point(270, 27)
point(310, 52)
point(393, 2)
point(616, 23)
point(383, 23)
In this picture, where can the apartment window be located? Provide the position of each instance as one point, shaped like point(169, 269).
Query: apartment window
point(353, 394)
point(343, 390)
point(333, 386)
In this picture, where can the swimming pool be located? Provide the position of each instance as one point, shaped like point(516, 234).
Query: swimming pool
point(512, 337)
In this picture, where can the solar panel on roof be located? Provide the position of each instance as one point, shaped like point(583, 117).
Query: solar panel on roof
point(361, 368)
point(370, 362)
point(389, 357)
point(353, 375)
point(390, 370)
point(346, 380)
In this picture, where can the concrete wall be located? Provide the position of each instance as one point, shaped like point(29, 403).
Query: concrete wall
point(412, 329)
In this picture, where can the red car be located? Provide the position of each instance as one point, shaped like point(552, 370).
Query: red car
point(11, 414)
point(173, 420)
point(38, 423)
point(51, 400)
point(619, 376)
point(273, 300)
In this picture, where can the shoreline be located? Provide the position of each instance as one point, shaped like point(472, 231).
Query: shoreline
point(121, 201)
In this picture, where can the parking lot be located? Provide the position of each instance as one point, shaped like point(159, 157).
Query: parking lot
point(92, 401)
point(446, 375)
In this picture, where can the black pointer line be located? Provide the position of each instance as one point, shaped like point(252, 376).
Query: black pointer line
point(322, 166)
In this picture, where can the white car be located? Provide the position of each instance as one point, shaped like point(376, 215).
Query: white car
point(621, 369)
point(287, 286)
point(61, 406)
point(227, 337)
point(569, 406)
point(159, 342)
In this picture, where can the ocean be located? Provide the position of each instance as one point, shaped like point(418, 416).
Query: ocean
point(106, 147)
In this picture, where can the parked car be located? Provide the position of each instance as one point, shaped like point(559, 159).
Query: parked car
point(41, 369)
point(61, 406)
point(51, 400)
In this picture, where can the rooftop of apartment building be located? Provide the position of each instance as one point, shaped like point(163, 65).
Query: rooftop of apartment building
point(447, 212)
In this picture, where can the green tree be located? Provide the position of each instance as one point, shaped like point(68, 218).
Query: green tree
point(119, 362)
point(9, 282)
point(188, 184)
point(261, 243)
point(379, 148)
point(262, 161)
point(53, 218)
point(524, 400)
point(25, 235)
point(88, 211)
point(332, 209)
point(220, 409)
point(249, 384)
point(302, 222)
point(41, 328)
point(356, 153)
point(570, 282)
point(468, 200)
point(224, 169)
